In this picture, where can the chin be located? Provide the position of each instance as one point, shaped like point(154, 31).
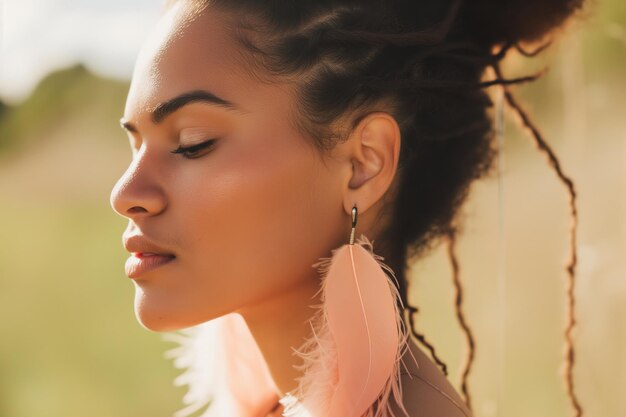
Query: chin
point(156, 322)
point(158, 318)
point(159, 312)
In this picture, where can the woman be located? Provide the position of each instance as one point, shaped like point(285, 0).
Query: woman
point(263, 133)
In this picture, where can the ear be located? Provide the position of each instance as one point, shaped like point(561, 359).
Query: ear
point(374, 155)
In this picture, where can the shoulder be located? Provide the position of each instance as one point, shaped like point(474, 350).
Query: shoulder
point(426, 391)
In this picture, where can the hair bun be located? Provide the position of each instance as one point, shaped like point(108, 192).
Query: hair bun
point(501, 21)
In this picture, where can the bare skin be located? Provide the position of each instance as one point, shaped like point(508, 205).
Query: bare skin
point(249, 215)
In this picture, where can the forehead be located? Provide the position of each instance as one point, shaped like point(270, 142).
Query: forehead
point(189, 51)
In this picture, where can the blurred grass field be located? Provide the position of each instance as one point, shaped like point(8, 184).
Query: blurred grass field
point(70, 343)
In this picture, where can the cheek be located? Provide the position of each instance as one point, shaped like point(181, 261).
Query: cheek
point(257, 223)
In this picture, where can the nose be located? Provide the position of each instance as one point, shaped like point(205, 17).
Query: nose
point(138, 193)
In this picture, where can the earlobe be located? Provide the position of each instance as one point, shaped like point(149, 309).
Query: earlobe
point(374, 158)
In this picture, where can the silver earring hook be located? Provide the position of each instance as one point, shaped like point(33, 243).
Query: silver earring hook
point(354, 218)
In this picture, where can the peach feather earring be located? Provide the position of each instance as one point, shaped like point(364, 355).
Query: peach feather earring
point(352, 361)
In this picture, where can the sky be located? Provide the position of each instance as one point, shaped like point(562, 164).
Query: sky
point(40, 36)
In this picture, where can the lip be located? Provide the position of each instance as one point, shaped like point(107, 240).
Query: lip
point(145, 255)
point(141, 244)
point(139, 263)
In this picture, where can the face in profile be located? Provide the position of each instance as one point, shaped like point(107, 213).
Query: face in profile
point(236, 219)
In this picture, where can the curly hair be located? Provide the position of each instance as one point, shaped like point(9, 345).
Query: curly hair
point(423, 62)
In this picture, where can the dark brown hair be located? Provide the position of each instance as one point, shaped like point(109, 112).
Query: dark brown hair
point(424, 62)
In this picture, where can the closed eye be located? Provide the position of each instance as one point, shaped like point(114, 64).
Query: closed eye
point(190, 152)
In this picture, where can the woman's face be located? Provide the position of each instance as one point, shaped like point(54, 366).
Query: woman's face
point(247, 216)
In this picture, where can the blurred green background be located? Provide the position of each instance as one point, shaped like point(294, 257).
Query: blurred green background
point(71, 346)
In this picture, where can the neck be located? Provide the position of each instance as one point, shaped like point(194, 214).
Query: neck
point(279, 324)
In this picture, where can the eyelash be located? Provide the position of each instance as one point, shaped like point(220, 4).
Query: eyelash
point(185, 151)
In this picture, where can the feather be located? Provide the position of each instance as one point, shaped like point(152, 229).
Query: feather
point(224, 369)
point(351, 361)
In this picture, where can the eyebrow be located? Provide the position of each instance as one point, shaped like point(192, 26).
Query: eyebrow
point(164, 109)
